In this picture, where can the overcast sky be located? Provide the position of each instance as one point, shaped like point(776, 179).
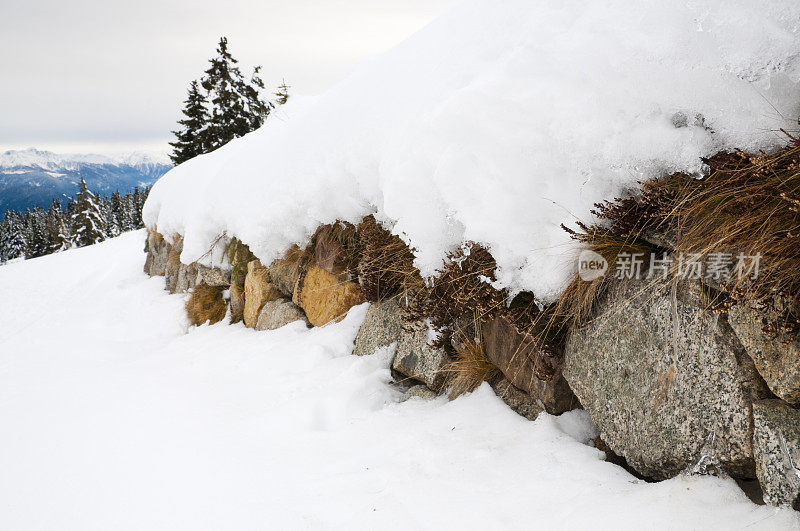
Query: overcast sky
point(101, 75)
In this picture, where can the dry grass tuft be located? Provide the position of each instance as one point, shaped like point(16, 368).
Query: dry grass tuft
point(206, 304)
point(469, 368)
point(577, 302)
point(748, 205)
point(460, 294)
point(386, 265)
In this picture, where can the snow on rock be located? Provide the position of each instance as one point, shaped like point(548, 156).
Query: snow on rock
point(497, 123)
point(115, 415)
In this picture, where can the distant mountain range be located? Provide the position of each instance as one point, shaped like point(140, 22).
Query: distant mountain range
point(32, 177)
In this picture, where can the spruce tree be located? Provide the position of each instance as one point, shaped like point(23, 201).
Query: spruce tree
point(114, 221)
point(35, 238)
point(192, 138)
point(12, 240)
point(87, 221)
point(237, 104)
point(282, 96)
point(56, 231)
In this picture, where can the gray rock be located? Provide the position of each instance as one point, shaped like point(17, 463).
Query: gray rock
point(418, 391)
point(382, 326)
point(212, 276)
point(776, 358)
point(277, 313)
point(172, 270)
point(518, 400)
point(187, 278)
point(668, 385)
point(237, 303)
point(156, 249)
point(776, 441)
point(417, 361)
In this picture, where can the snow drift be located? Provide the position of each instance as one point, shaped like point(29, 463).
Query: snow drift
point(497, 125)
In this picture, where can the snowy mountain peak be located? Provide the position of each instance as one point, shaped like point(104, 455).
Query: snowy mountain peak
point(36, 158)
point(33, 177)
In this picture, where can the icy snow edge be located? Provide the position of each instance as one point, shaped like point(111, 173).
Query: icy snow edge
point(496, 126)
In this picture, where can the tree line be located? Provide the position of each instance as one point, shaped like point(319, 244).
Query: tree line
point(85, 220)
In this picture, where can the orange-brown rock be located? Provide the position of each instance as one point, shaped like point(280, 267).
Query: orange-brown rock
point(258, 290)
point(323, 297)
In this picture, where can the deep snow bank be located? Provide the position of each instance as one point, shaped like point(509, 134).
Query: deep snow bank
point(499, 124)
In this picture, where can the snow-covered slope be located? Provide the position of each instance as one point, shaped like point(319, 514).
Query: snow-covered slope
point(114, 415)
point(497, 123)
point(33, 177)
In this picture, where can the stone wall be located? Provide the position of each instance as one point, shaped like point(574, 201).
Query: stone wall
point(671, 386)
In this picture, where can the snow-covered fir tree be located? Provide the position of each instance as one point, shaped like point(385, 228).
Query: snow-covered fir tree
point(87, 221)
point(56, 233)
point(12, 239)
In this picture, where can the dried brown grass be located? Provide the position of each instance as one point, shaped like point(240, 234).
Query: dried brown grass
point(749, 205)
point(386, 264)
point(469, 368)
point(206, 304)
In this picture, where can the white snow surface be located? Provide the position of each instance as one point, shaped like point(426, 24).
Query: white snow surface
point(116, 414)
point(497, 123)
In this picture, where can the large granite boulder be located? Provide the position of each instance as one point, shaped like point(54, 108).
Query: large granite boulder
point(382, 326)
point(776, 442)
point(258, 290)
point(324, 297)
point(416, 360)
point(277, 313)
point(516, 355)
point(777, 357)
point(668, 384)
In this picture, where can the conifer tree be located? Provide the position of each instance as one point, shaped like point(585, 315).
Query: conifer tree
point(282, 96)
point(192, 139)
point(87, 221)
point(12, 241)
point(56, 232)
point(237, 104)
point(114, 221)
point(35, 239)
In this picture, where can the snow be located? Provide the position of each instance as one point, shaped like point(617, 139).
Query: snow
point(497, 123)
point(116, 415)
